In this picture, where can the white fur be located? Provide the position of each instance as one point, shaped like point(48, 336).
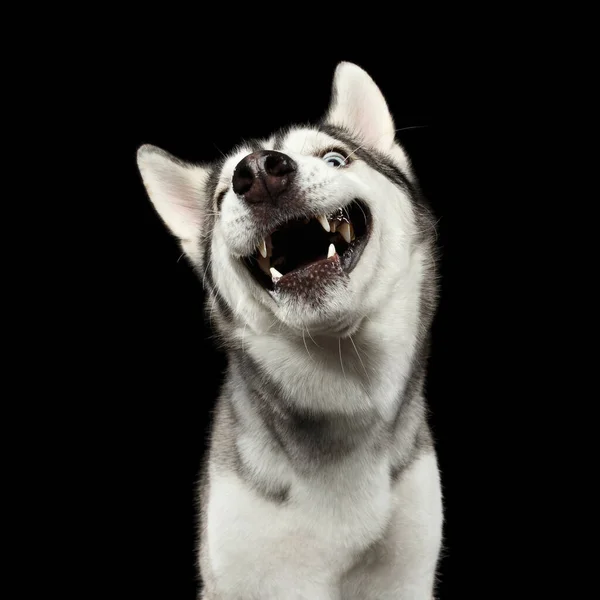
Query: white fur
point(308, 547)
point(412, 542)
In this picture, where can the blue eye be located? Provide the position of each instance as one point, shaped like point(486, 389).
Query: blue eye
point(334, 159)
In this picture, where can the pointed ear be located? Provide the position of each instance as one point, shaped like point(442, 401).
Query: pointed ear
point(358, 105)
point(177, 191)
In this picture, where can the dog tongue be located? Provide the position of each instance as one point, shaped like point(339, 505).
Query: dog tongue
point(311, 279)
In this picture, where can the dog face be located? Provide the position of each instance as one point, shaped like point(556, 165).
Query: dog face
point(312, 229)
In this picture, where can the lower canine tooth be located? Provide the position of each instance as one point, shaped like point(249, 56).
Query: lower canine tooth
point(344, 229)
point(264, 263)
point(275, 274)
point(331, 251)
point(324, 222)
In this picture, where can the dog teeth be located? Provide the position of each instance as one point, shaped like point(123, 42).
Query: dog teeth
point(324, 222)
point(344, 229)
point(262, 248)
point(275, 274)
point(331, 251)
point(352, 235)
point(333, 225)
point(265, 264)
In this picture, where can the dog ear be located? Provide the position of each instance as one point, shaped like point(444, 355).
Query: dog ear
point(358, 105)
point(177, 191)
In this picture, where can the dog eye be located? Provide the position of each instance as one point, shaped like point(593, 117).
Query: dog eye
point(334, 159)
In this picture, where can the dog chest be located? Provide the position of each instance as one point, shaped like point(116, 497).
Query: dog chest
point(322, 527)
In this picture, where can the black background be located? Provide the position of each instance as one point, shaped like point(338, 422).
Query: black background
point(161, 367)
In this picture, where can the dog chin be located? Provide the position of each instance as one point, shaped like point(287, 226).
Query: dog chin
point(319, 325)
point(331, 317)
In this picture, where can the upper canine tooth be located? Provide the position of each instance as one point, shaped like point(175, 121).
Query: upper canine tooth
point(331, 251)
point(275, 274)
point(352, 234)
point(262, 248)
point(324, 222)
point(344, 229)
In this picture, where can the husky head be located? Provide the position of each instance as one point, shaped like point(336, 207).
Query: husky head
point(314, 228)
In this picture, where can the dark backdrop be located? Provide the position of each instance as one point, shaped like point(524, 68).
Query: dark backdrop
point(161, 367)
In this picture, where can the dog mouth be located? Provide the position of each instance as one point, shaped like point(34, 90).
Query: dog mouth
point(311, 244)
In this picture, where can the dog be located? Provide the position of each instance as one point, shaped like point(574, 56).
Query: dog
point(317, 252)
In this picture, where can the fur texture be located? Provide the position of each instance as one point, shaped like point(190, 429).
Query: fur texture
point(321, 480)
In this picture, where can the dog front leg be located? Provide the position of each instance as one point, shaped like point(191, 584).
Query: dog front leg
point(402, 565)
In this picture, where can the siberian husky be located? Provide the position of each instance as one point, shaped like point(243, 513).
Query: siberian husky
point(316, 249)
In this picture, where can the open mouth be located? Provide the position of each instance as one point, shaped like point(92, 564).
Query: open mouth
point(309, 242)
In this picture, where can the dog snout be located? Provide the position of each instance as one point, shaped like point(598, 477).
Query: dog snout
point(263, 176)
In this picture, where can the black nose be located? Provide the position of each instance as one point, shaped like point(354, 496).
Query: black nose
point(262, 176)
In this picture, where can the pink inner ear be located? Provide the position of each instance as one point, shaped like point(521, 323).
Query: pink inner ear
point(176, 192)
point(361, 107)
